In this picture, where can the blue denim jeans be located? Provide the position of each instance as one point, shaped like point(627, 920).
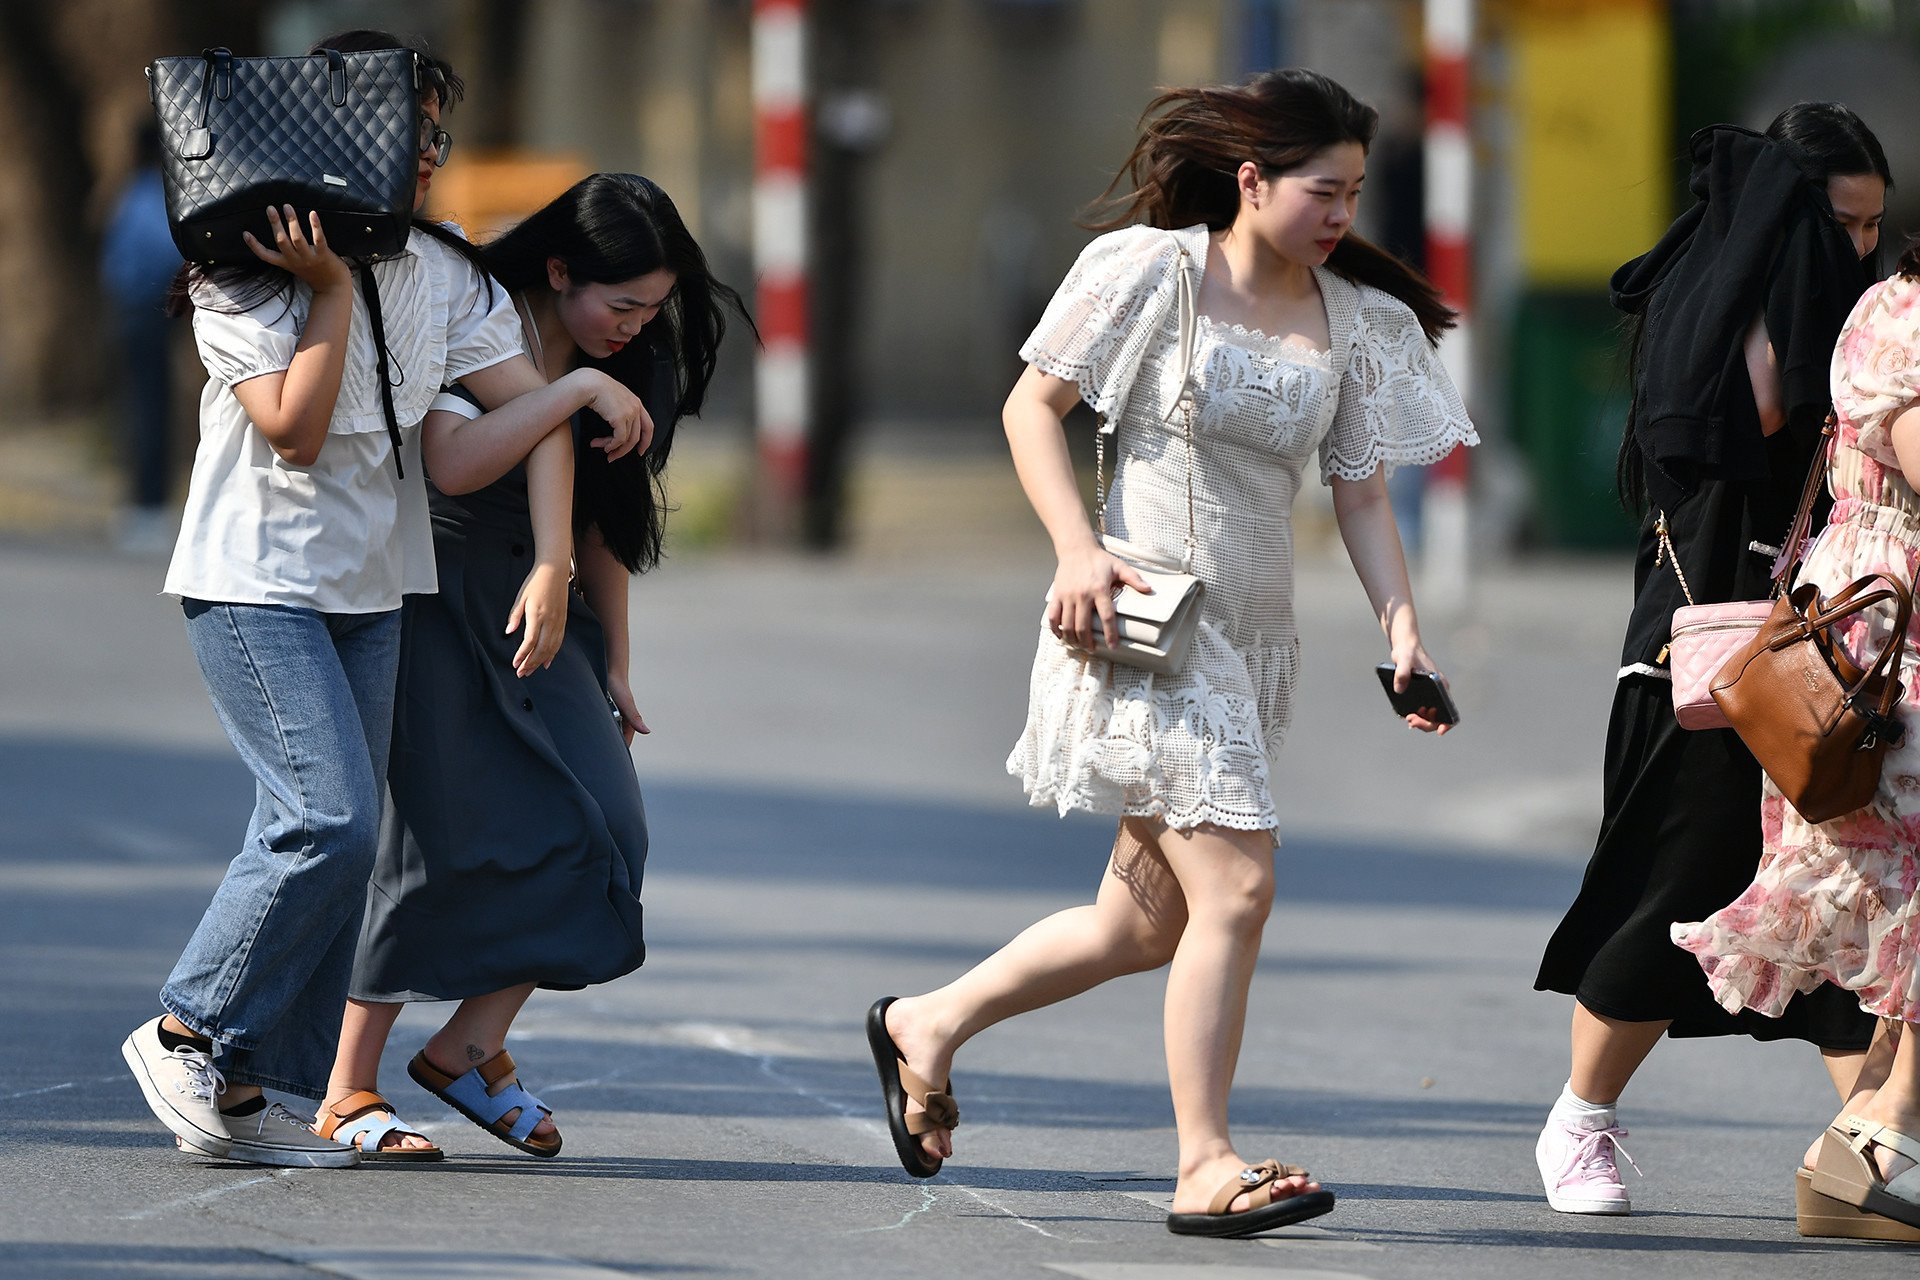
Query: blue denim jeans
point(307, 699)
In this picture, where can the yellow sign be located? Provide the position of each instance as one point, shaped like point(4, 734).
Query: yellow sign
point(1590, 111)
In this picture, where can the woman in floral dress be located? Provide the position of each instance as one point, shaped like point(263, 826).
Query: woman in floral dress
point(1839, 901)
point(1307, 342)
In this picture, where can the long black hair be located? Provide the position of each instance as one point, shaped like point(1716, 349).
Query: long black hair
point(1824, 140)
point(1193, 141)
point(247, 285)
point(608, 229)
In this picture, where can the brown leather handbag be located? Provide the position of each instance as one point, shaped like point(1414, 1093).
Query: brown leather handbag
point(1818, 724)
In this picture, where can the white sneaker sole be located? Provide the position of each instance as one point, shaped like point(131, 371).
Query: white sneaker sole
point(1605, 1208)
point(181, 1125)
point(280, 1157)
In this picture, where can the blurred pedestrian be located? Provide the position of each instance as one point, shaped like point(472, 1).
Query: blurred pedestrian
point(1839, 901)
point(1736, 309)
point(298, 541)
point(512, 852)
point(138, 261)
point(1305, 340)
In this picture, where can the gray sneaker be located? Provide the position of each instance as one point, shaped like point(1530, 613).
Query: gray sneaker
point(276, 1135)
point(181, 1085)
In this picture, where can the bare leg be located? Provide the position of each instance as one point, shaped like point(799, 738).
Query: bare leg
point(1606, 1053)
point(1227, 879)
point(356, 1065)
point(1134, 924)
point(1897, 1101)
point(1858, 1074)
point(478, 1030)
point(1847, 1068)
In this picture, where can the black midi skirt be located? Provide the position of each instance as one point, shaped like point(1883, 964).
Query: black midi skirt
point(1680, 838)
point(515, 838)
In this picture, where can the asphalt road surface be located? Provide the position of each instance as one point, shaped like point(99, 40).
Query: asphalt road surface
point(831, 822)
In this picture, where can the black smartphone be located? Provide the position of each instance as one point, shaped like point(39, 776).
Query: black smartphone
point(1424, 693)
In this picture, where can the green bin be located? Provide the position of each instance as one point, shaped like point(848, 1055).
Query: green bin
point(1569, 387)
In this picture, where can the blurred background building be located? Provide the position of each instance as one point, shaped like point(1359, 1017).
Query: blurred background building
point(949, 147)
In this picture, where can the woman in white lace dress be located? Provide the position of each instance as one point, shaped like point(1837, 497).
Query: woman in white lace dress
point(1308, 342)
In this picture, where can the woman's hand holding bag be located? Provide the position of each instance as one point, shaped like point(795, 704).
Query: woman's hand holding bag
point(1080, 609)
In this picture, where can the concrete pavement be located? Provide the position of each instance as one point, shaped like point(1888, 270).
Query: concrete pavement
point(831, 823)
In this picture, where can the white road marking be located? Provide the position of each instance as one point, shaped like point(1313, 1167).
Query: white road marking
point(204, 1197)
point(400, 1263)
point(744, 1042)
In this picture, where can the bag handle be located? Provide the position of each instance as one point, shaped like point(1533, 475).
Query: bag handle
point(1819, 615)
point(216, 80)
point(336, 77)
point(220, 65)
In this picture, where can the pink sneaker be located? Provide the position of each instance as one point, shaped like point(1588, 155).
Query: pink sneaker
point(1578, 1170)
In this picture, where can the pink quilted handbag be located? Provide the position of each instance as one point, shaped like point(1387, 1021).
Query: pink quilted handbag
point(1704, 637)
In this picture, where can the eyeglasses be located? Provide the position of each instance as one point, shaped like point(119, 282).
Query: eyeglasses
point(435, 141)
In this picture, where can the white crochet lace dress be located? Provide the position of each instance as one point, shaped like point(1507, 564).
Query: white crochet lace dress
point(1199, 746)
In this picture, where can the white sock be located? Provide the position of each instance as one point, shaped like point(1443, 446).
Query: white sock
point(1570, 1108)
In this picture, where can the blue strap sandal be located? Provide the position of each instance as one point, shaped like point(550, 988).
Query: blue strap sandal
point(355, 1121)
point(485, 1095)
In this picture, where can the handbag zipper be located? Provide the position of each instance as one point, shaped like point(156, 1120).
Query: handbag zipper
point(1698, 628)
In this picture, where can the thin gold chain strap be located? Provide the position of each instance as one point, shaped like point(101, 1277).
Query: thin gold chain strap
point(1666, 550)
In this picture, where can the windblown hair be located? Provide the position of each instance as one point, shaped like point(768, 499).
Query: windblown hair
point(1192, 143)
point(607, 229)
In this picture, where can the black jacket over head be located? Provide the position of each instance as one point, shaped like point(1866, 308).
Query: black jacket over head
point(1761, 239)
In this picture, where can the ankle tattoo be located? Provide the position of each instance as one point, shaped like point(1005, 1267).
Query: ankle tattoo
point(474, 1054)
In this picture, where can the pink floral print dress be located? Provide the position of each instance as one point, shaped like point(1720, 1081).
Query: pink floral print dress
point(1839, 901)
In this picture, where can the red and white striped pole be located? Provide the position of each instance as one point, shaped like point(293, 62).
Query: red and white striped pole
point(1449, 210)
point(782, 385)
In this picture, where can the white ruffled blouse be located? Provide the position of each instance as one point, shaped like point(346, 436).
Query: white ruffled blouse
point(345, 535)
point(1199, 746)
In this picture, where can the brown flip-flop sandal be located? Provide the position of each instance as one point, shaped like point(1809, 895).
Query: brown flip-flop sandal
point(485, 1095)
point(1263, 1213)
point(914, 1107)
point(352, 1121)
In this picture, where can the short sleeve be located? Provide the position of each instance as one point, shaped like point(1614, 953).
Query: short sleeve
point(1104, 314)
point(458, 400)
point(482, 326)
point(236, 346)
point(1875, 371)
point(1398, 405)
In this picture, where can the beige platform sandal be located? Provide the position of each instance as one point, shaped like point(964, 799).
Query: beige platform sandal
point(1846, 1172)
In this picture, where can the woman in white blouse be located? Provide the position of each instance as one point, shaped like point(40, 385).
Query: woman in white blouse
point(1307, 340)
point(299, 538)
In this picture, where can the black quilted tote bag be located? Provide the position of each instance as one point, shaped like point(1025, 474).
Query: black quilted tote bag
point(334, 132)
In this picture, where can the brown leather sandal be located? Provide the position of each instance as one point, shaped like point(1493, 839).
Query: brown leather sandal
point(485, 1095)
point(354, 1121)
point(914, 1107)
point(1263, 1211)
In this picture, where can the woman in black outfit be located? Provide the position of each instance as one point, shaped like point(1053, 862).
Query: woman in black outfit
point(1735, 313)
point(513, 850)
